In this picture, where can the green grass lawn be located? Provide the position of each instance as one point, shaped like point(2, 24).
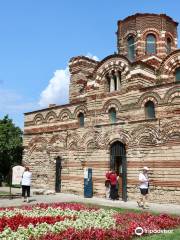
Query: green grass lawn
point(3, 193)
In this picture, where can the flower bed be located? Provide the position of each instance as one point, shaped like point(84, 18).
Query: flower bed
point(71, 221)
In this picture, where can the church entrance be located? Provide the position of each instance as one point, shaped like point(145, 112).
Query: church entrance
point(118, 163)
point(58, 175)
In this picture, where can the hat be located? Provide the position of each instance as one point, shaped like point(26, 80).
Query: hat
point(145, 168)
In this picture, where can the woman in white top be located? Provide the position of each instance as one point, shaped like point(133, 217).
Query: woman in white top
point(26, 183)
point(144, 185)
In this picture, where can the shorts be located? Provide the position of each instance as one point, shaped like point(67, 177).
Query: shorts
point(144, 191)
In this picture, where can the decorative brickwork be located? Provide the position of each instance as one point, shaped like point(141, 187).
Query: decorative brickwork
point(126, 86)
point(139, 26)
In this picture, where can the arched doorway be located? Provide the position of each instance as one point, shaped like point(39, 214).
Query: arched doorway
point(118, 163)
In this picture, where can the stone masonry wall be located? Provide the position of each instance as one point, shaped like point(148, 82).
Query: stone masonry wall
point(56, 132)
point(139, 25)
point(154, 143)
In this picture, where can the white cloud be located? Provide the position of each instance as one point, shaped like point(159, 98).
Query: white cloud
point(89, 55)
point(57, 90)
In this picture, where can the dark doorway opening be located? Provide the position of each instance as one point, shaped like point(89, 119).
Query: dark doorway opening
point(58, 174)
point(118, 163)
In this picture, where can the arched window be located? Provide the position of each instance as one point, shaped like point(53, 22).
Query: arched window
point(131, 48)
point(168, 46)
point(177, 74)
point(81, 119)
point(149, 110)
point(112, 115)
point(150, 44)
point(113, 80)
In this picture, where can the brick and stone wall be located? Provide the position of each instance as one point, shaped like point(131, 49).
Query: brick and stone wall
point(155, 143)
point(139, 25)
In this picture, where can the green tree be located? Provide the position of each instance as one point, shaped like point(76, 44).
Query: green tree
point(10, 145)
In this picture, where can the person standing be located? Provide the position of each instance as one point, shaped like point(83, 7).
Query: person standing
point(113, 189)
point(144, 188)
point(107, 185)
point(26, 184)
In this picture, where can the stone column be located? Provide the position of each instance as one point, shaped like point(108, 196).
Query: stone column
point(118, 80)
point(112, 83)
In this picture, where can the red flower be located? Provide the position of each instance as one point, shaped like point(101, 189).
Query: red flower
point(20, 220)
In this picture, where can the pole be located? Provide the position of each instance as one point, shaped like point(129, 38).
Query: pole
point(10, 184)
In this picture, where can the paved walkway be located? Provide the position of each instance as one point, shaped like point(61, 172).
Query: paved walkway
point(66, 197)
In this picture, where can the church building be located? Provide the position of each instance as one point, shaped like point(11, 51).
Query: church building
point(123, 114)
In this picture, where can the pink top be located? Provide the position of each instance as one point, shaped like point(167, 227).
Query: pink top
point(113, 179)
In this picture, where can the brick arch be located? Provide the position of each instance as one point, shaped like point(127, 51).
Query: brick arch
point(170, 63)
point(56, 143)
point(174, 67)
point(109, 144)
point(51, 117)
point(111, 68)
point(171, 124)
point(116, 139)
point(74, 140)
point(148, 31)
point(108, 58)
point(147, 139)
point(37, 139)
point(112, 103)
point(125, 136)
point(56, 138)
point(91, 135)
point(80, 109)
point(88, 136)
point(172, 93)
point(112, 136)
point(149, 96)
point(142, 132)
point(173, 136)
point(132, 34)
point(37, 144)
point(100, 140)
point(154, 32)
point(73, 146)
point(113, 62)
point(129, 34)
point(169, 35)
point(38, 119)
point(91, 145)
point(65, 114)
point(170, 129)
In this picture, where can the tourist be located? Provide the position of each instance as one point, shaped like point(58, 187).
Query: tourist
point(113, 189)
point(144, 186)
point(26, 183)
point(107, 185)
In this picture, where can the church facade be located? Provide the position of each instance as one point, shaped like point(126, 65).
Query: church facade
point(123, 114)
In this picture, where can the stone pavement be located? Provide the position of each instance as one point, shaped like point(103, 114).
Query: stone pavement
point(67, 197)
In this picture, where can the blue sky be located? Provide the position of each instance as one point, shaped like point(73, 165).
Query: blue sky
point(38, 37)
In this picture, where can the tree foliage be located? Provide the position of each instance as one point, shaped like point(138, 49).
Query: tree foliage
point(10, 145)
